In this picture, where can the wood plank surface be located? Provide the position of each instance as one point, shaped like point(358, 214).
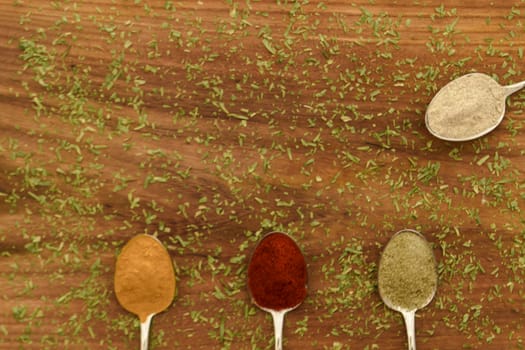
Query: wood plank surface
point(211, 123)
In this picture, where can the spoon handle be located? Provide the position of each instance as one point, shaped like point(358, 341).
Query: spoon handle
point(410, 324)
point(144, 332)
point(278, 321)
point(510, 89)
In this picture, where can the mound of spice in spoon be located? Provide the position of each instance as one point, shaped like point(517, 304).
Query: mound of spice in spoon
point(144, 280)
point(277, 278)
point(468, 107)
point(407, 277)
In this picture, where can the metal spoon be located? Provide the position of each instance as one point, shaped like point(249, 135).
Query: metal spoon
point(413, 265)
point(277, 313)
point(482, 108)
point(278, 323)
point(144, 332)
point(139, 277)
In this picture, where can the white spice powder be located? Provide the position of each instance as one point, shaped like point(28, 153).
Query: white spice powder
point(466, 107)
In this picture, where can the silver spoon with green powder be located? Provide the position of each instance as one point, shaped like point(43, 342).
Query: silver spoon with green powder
point(468, 107)
point(407, 277)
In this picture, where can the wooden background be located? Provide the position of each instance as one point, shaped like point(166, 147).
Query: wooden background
point(211, 123)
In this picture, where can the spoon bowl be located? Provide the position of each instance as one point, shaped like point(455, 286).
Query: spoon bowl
point(277, 278)
point(468, 107)
point(407, 277)
point(144, 280)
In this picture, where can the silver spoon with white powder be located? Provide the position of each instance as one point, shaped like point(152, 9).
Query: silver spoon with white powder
point(468, 107)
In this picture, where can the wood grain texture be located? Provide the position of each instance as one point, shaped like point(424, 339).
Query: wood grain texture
point(211, 123)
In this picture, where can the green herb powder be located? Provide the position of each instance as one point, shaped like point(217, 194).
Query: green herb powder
point(407, 272)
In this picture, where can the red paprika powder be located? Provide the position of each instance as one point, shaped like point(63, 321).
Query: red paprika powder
point(277, 273)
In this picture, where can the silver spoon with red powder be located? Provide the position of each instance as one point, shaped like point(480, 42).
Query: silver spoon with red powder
point(277, 278)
